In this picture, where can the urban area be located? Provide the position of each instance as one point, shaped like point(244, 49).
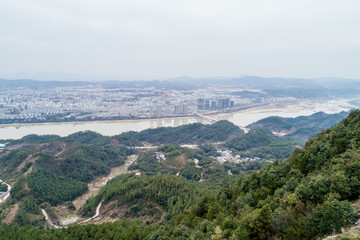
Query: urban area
point(94, 103)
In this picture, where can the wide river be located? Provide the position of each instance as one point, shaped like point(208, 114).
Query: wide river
point(240, 118)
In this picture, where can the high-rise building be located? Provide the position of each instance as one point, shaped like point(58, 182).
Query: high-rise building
point(158, 111)
point(177, 109)
point(220, 104)
point(181, 109)
point(226, 103)
point(185, 109)
point(207, 104)
point(200, 104)
point(231, 104)
point(213, 104)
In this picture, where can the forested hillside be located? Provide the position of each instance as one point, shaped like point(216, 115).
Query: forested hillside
point(309, 195)
point(49, 170)
point(260, 142)
point(301, 128)
point(171, 194)
point(305, 197)
point(186, 134)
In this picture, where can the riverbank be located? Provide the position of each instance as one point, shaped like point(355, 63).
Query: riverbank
point(240, 118)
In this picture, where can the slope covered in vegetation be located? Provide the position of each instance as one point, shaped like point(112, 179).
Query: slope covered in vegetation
point(301, 128)
point(260, 142)
point(186, 134)
point(170, 192)
point(56, 170)
point(52, 170)
point(307, 196)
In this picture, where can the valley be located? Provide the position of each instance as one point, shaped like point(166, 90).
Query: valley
point(95, 186)
point(72, 217)
point(167, 176)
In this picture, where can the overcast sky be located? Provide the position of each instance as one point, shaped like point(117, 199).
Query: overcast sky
point(157, 39)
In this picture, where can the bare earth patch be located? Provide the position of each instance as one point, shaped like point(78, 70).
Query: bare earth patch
point(97, 184)
point(17, 146)
point(63, 148)
point(146, 212)
point(178, 162)
point(29, 158)
point(11, 215)
point(3, 153)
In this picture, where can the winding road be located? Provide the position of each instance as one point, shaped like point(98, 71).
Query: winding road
point(51, 224)
point(49, 220)
point(95, 216)
point(44, 213)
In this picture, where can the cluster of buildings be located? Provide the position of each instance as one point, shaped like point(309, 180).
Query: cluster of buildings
point(160, 156)
point(213, 104)
point(87, 103)
point(97, 103)
point(227, 156)
point(161, 111)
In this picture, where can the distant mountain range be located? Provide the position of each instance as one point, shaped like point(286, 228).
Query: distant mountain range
point(190, 83)
point(34, 84)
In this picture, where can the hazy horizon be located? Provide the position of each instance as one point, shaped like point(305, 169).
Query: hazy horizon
point(66, 77)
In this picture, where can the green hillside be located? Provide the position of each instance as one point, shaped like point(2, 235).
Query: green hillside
point(171, 193)
point(260, 142)
point(186, 134)
point(181, 161)
point(301, 128)
point(49, 171)
point(311, 194)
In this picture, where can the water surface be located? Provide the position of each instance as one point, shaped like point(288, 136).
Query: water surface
point(110, 128)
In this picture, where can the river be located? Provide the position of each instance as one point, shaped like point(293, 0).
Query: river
point(240, 118)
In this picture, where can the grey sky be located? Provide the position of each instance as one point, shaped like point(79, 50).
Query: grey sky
point(148, 39)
